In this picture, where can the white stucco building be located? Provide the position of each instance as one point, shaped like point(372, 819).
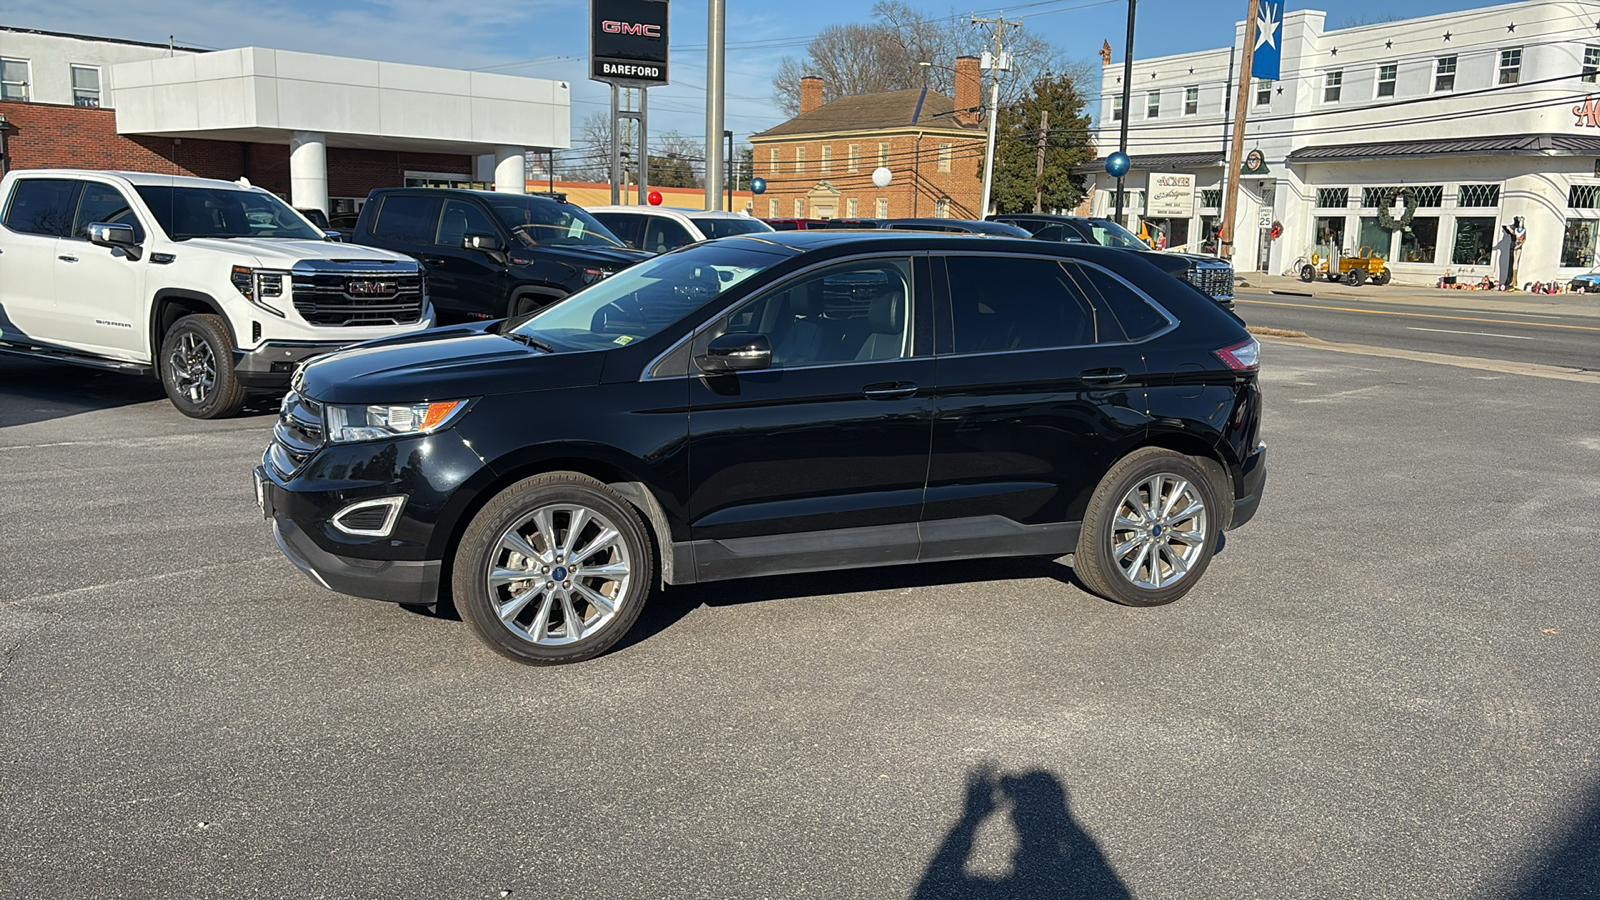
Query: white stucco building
point(323, 130)
point(1482, 113)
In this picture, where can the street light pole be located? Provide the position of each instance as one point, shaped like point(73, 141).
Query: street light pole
point(1127, 106)
point(716, 72)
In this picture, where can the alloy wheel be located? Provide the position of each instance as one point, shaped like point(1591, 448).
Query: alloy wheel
point(560, 575)
point(194, 368)
point(1159, 531)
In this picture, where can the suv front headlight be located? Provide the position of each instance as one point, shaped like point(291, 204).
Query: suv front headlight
point(347, 424)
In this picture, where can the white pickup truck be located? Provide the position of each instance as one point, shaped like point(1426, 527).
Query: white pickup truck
point(218, 288)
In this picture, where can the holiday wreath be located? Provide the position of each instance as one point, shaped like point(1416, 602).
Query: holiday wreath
point(1386, 217)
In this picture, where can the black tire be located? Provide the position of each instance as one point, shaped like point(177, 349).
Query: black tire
point(1308, 273)
point(536, 630)
point(1355, 277)
point(1097, 562)
point(1382, 279)
point(196, 368)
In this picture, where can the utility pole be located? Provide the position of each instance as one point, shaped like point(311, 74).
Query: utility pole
point(1038, 173)
point(1230, 201)
point(999, 62)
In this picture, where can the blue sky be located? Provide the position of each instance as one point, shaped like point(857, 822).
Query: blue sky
point(548, 38)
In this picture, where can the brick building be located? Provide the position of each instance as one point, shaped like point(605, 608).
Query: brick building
point(320, 131)
point(820, 163)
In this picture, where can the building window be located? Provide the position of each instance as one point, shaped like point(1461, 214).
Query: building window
point(827, 161)
point(1372, 238)
point(883, 153)
point(799, 160)
point(799, 208)
point(1333, 198)
point(86, 85)
point(1478, 195)
point(1430, 196)
point(772, 208)
point(1332, 84)
point(1474, 241)
point(1386, 78)
point(854, 154)
point(1152, 104)
point(1510, 65)
point(1211, 198)
point(772, 170)
point(883, 208)
point(1584, 196)
point(852, 208)
point(1444, 74)
point(1577, 244)
point(1263, 92)
point(1591, 63)
point(944, 157)
point(1116, 108)
point(13, 79)
point(941, 207)
point(1330, 234)
point(1419, 240)
point(1191, 100)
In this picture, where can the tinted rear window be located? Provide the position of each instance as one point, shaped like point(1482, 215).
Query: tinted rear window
point(1016, 303)
point(715, 227)
point(42, 206)
point(408, 219)
point(1137, 318)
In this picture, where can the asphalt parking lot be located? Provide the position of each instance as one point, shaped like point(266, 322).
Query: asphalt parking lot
point(1385, 686)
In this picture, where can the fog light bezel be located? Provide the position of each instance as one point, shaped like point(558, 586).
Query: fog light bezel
point(395, 505)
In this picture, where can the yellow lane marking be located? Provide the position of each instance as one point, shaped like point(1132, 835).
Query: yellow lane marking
point(1386, 312)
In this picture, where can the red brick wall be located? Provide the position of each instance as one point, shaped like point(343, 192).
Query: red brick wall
point(46, 136)
point(915, 191)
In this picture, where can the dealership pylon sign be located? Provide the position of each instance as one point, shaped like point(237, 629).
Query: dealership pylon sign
point(628, 42)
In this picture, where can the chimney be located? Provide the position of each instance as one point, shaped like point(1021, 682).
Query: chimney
point(969, 90)
point(810, 93)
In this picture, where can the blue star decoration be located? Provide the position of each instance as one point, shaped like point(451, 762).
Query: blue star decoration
point(1388, 45)
point(1334, 52)
point(1447, 37)
point(1512, 27)
point(1280, 90)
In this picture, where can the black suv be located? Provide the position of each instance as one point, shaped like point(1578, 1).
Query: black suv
point(1210, 275)
point(756, 405)
point(489, 255)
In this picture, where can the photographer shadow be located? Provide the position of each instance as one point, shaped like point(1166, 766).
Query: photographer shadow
point(1054, 856)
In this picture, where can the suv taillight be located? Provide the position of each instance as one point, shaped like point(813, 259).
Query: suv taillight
point(1242, 357)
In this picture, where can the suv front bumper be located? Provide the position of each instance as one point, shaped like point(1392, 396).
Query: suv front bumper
point(271, 365)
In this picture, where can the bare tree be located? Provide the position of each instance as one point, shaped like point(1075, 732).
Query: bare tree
point(887, 55)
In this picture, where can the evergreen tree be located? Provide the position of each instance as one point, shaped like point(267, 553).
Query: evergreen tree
point(1067, 144)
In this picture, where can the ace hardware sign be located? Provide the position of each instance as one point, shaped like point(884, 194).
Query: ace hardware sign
point(628, 42)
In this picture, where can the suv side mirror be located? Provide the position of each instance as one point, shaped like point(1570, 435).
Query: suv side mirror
point(117, 236)
point(736, 351)
point(336, 237)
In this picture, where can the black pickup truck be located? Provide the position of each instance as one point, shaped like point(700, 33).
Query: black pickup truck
point(488, 255)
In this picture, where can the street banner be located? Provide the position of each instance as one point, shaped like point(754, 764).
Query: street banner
point(1269, 41)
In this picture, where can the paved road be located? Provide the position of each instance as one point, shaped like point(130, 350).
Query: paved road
point(1547, 337)
point(1385, 687)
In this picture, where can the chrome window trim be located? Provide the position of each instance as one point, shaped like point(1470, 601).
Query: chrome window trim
point(910, 314)
point(394, 503)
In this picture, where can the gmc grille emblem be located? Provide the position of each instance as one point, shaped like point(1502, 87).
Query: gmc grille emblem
point(371, 288)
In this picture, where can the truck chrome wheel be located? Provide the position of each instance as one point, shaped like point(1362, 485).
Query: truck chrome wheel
point(559, 575)
point(1159, 531)
point(194, 368)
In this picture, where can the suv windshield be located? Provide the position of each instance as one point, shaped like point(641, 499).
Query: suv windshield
point(722, 226)
point(640, 301)
point(221, 212)
point(1109, 234)
point(538, 220)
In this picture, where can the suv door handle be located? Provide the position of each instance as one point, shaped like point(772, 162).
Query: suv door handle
point(891, 390)
point(433, 260)
point(65, 258)
point(1103, 376)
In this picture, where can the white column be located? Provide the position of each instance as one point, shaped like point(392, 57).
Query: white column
point(509, 173)
point(308, 170)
